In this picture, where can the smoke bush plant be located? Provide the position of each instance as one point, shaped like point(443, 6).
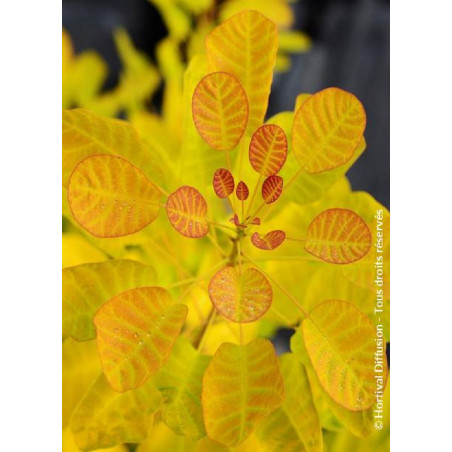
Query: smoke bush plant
point(207, 236)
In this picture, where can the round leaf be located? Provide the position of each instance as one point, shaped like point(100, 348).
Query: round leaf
point(241, 386)
point(187, 212)
point(245, 45)
point(269, 241)
point(242, 297)
point(136, 331)
point(110, 197)
point(223, 183)
point(340, 341)
point(339, 236)
point(220, 110)
point(272, 188)
point(242, 191)
point(268, 149)
point(327, 129)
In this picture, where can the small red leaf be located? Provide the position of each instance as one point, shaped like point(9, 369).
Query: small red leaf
point(223, 183)
point(272, 188)
point(268, 149)
point(269, 241)
point(242, 191)
point(235, 220)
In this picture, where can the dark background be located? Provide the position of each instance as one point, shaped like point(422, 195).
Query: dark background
point(351, 51)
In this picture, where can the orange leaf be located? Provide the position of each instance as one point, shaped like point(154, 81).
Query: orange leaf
point(340, 341)
point(136, 331)
point(269, 241)
point(327, 129)
point(245, 45)
point(241, 298)
point(339, 236)
point(220, 110)
point(242, 191)
point(187, 212)
point(272, 188)
point(241, 386)
point(268, 149)
point(110, 197)
point(223, 183)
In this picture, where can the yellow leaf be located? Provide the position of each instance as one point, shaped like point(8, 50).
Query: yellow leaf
point(293, 41)
point(80, 366)
point(176, 20)
point(294, 427)
point(139, 77)
point(88, 74)
point(327, 129)
point(241, 386)
point(86, 134)
point(339, 236)
point(241, 297)
point(180, 381)
point(283, 63)
point(187, 212)
point(106, 203)
point(220, 110)
point(70, 446)
point(245, 45)
point(168, 54)
point(77, 250)
point(161, 146)
point(278, 11)
point(136, 331)
point(300, 100)
point(196, 6)
point(340, 341)
point(105, 418)
point(165, 440)
point(86, 287)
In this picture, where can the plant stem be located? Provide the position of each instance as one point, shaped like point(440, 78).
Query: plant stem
point(207, 324)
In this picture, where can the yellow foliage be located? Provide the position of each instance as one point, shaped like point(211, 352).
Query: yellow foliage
point(193, 234)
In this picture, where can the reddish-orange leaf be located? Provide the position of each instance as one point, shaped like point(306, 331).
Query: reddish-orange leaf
point(339, 236)
point(236, 221)
point(220, 110)
point(187, 212)
point(272, 188)
point(136, 331)
point(268, 149)
point(110, 197)
point(223, 183)
point(269, 241)
point(242, 297)
point(242, 191)
point(256, 220)
point(327, 129)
